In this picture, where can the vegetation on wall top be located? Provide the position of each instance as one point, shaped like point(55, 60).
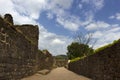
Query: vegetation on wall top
point(106, 46)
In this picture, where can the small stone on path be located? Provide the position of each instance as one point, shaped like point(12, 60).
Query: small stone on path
point(43, 72)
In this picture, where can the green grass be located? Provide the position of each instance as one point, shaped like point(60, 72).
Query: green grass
point(106, 46)
point(77, 59)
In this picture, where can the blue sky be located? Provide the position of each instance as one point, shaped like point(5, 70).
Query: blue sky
point(58, 20)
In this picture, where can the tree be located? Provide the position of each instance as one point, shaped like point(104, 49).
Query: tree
point(80, 46)
point(78, 50)
point(85, 38)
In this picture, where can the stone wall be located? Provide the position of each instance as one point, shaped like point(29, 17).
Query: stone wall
point(104, 65)
point(19, 54)
point(30, 31)
point(45, 60)
point(8, 18)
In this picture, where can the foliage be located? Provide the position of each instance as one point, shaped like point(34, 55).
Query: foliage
point(78, 50)
point(45, 50)
point(61, 56)
point(75, 59)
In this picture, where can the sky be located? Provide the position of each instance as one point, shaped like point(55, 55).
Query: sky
point(58, 20)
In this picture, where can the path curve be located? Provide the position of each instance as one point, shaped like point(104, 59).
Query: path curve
point(57, 74)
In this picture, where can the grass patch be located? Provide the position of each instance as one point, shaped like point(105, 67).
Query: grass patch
point(106, 46)
point(77, 59)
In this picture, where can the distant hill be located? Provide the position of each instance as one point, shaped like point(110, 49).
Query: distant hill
point(61, 56)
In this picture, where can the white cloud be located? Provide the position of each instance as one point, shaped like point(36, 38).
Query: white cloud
point(80, 6)
point(91, 26)
point(30, 8)
point(22, 11)
point(70, 24)
point(111, 17)
point(58, 41)
point(58, 7)
point(115, 25)
point(97, 34)
point(115, 29)
point(49, 16)
point(65, 4)
point(116, 16)
point(96, 4)
point(6, 9)
point(106, 36)
point(56, 44)
point(97, 25)
point(85, 1)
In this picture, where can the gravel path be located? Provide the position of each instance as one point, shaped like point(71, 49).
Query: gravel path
point(57, 74)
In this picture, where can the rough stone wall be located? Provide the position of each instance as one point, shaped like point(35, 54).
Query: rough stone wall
point(44, 60)
point(18, 51)
point(104, 65)
point(30, 31)
point(8, 18)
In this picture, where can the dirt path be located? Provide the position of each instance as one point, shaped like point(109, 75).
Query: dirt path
point(57, 74)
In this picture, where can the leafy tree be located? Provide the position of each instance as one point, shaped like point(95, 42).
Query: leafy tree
point(78, 50)
point(80, 46)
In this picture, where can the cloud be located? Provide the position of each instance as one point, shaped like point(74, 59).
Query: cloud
point(71, 23)
point(97, 34)
point(80, 6)
point(74, 23)
point(23, 11)
point(58, 7)
point(97, 25)
point(111, 17)
point(50, 16)
point(58, 41)
point(56, 44)
point(115, 29)
point(107, 36)
point(96, 4)
point(29, 8)
point(65, 4)
point(116, 16)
